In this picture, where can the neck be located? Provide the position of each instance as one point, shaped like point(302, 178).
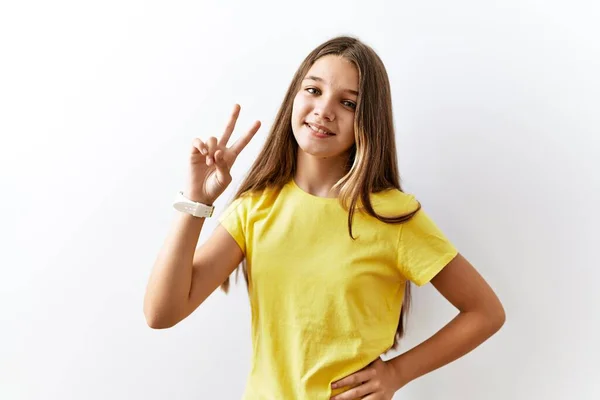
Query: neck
point(316, 175)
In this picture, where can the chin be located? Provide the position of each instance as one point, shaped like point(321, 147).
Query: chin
point(313, 150)
point(318, 151)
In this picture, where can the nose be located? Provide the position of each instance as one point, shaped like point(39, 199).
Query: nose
point(324, 108)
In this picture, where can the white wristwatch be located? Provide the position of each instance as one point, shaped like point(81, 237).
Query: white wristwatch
point(194, 208)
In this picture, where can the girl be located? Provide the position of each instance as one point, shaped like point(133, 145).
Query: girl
point(328, 241)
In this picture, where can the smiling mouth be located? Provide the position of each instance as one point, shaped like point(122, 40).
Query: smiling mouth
point(319, 130)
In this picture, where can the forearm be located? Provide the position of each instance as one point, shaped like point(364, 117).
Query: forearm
point(460, 336)
point(170, 281)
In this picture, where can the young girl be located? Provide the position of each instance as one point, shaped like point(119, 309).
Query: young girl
point(329, 240)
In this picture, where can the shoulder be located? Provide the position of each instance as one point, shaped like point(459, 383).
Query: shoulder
point(394, 202)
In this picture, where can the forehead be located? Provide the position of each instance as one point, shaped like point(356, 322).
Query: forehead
point(335, 71)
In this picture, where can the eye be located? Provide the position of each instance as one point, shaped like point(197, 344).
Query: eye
point(350, 104)
point(346, 103)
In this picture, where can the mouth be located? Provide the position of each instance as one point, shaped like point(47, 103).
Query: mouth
point(319, 129)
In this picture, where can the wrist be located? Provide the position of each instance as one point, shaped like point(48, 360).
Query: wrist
point(198, 197)
point(401, 371)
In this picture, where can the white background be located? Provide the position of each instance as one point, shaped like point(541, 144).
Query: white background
point(496, 110)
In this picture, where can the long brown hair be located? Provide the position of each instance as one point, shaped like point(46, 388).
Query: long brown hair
point(372, 163)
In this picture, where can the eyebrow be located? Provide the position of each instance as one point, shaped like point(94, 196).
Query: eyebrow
point(317, 79)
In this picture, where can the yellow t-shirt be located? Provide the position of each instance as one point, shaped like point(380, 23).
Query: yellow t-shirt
point(323, 305)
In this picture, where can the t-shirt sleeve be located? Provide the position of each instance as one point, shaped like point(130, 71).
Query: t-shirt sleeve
point(423, 249)
point(234, 220)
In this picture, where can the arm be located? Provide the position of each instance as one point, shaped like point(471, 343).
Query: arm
point(183, 276)
point(481, 315)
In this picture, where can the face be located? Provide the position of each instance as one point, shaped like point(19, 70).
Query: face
point(324, 107)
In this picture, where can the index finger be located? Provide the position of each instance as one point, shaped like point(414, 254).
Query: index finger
point(239, 145)
point(230, 126)
point(363, 375)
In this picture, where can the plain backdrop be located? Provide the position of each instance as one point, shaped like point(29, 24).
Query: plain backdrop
point(497, 123)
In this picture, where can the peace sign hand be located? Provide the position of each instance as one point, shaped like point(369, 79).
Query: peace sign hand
point(211, 162)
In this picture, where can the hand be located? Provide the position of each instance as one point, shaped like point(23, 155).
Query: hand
point(377, 381)
point(211, 162)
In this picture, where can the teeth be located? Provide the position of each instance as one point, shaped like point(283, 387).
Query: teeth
point(314, 128)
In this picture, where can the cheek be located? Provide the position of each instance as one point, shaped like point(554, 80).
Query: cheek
point(296, 109)
point(349, 129)
point(297, 118)
point(301, 104)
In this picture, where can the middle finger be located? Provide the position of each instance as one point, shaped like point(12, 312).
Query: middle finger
point(357, 392)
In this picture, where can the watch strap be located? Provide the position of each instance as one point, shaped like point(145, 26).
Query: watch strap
point(183, 204)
